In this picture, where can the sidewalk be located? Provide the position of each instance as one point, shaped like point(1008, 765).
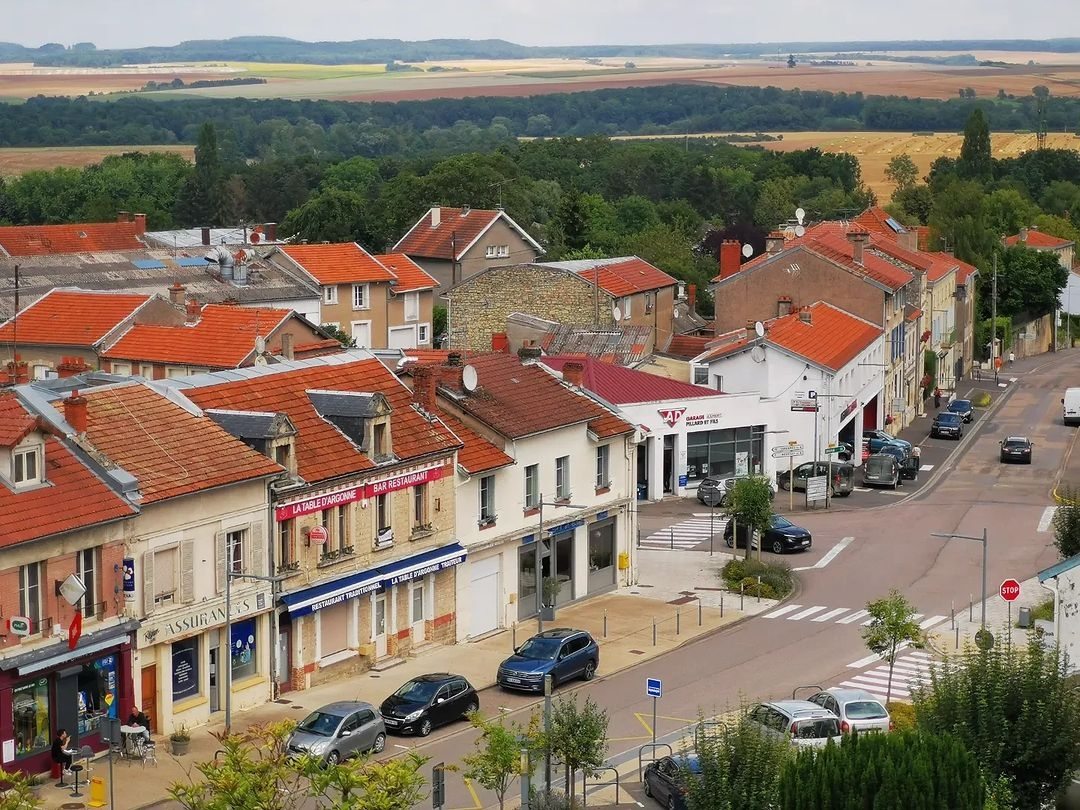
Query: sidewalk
point(622, 623)
point(948, 639)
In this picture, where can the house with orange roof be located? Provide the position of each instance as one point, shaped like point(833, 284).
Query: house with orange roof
point(124, 235)
point(363, 529)
point(453, 244)
point(821, 360)
point(379, 305)
point(1034, 239)
point(63, 516)
point(544, 486)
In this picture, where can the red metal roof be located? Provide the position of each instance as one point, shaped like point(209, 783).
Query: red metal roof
point(628, 276)
point(88, 237)
point(65, 317)
point(323, 451)
point(1038, 239)
point(477, 454)
point(410, 275)
point(223, 337)
point(168, 449)
point(457, 229)
point(687, 346)
point(341, 263)
point(626, 386)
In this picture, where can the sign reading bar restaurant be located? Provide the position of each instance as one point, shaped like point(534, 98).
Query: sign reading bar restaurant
point(357, 493)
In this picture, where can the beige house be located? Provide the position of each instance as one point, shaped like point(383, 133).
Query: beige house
point(1035, 239)
point(454, 244)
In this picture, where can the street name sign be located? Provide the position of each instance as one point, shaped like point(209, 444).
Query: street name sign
point(790, 451)
point(804, 405)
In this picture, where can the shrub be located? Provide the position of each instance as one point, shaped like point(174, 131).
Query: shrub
point(902, 715)
point(777, 576)
point(751, 587)
point(1043, 610)
point(982, 399)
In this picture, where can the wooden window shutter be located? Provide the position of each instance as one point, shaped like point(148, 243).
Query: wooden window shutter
point(257, 543)
point(187, 571)
point(148, 582)
point(219, 554)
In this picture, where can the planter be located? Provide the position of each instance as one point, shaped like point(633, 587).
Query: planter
point(179, 747)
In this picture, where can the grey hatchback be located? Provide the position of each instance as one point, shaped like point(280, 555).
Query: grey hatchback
point(338, 731)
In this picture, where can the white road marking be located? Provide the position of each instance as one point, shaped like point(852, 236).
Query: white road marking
point(1047, 518)
point(776, 614)
point(830, 555)
point(863, 662)
point(802, 614)
point(863, 489)
point(926, 624)
point(854, 617)
point(824, 617)
point(402, 747)
point(926, 467)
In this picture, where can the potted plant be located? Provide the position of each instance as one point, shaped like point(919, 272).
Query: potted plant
point(551, 593)
point(179, 740)
point(35, 782)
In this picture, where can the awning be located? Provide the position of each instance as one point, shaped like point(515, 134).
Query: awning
point(332, 593)
point(54, 655)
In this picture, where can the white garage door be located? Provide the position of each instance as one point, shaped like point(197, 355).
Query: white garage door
point(484, 596)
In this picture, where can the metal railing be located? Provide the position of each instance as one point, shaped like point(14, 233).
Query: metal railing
point(586, 784)
point(651, 748)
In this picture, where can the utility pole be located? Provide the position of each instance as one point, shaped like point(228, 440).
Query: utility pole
point(993, 322)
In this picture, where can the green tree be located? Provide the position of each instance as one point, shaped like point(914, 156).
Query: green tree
point(1067, 524)
point(571, 222)
point(578, 737)
point(892, 626)
point(358, 175)
point(1029, 282)
point(201, 199)
point(740, 767)
point(330, 216)
point(750, 506)
point(439, 316)
point(1007, 210)
point(915, 204)
point(902, 172)
point(496, 761)
point(1015, 709)
point(775, 202)
point(958, 221)
point(975, 161)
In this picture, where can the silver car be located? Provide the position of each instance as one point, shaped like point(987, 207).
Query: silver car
point(806, 724)
point(857, 709)
point(338, 731)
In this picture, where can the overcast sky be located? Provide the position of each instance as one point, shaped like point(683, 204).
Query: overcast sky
point(130, 23)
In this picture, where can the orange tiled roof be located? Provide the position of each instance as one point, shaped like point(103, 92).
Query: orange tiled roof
point(688, 346)
point(323, 451)
point(64, 317)
point(964, 271)
point(457, 229)
point(428, 355)
point(15, 421)
point(88, 237)
point(341, 263)
point(841, 251)
point(477, 454)
point(168, 449)
point(1038, 239)
point(633, 275)
point(878, 220)
point(318, 347)
point(223, 337)
point(410, 275)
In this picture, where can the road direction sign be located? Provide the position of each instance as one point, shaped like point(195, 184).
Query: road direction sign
point(791, 451)
point(804, 405)
point(1010, 590)
point(834, 449)
point(654, 687)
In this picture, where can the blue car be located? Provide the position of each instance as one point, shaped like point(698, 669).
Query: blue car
point(879, 438)
point(562, 653)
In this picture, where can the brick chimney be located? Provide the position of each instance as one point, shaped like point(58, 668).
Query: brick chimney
point(70, 366)
point(287, 346)
point(454, 359)
point(75, 412)
point(270, 230)
point(424, 387)
point(783, 306)
point(18, 371)
point(193, 310)
point(751, 330)
point(176, 294)
point(573, 372)
point(205, 233)
point(123, 216)
point(806, 316)
point(436, 216)
point(858, 239)
point(774, 242)
point(730, 257)
point(691, 297)
point(500, 342)
point(140, 224)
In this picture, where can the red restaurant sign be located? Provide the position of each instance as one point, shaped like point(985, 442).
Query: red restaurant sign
point(357, 493)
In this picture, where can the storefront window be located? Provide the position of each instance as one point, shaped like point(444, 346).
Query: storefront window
point(724, 453)
point(602, 555)
point(97, 693)
point(30, 707)
point(527, 580)
point(185, 669)
point(243, 650)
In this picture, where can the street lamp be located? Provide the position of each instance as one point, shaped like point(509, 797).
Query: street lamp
point(541, 581)
point(979, 539)
point(230, 575)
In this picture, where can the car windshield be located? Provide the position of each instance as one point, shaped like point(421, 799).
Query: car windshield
point(540, 649)
point(865, 710)
point(781, 522)
point(948, 417)
point(417, 691)
point(1016, 443)
point(960, 405)
point(817, 729)
point(320, 723)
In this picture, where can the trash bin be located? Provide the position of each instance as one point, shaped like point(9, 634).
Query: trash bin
point(1024, 620)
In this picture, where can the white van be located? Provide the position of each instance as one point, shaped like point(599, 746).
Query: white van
point(1070, 406)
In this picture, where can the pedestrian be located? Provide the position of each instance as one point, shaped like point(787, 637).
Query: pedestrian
point(937, 397)
point(1011, 358)
point(976, 371)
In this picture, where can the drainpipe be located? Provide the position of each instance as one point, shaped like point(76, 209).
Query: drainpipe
point(274, 585)
point(630, 454)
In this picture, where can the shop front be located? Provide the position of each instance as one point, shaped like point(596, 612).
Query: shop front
point(57, 687)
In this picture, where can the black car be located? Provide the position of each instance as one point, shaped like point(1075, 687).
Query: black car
point(665, 779)
point(1016, 448)
point(781, 536)
point(963, 408)
point(429, 701)
point(947, 424)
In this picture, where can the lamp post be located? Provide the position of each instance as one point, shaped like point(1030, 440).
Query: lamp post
point(541, 580)
point(979, 539)
point(230, 575)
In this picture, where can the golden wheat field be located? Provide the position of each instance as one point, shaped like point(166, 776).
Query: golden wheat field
point(17, 161)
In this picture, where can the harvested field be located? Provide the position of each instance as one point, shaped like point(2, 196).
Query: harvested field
point(17, 161)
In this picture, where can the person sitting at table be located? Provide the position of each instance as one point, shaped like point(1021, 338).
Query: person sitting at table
point(138, 718)
point(59, 748)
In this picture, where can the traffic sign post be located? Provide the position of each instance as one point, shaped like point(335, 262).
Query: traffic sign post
point(654, 688)
point(1010, 592)
point(793, 450)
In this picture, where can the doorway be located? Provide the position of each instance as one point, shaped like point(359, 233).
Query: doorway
point(643, 471)
point(149, 694)
point(560, 549)
point(416, 609)
point(284, 657)
point(215, 697)
point(378, 624)
point(669, 464)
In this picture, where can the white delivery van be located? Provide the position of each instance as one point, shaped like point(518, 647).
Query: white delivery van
point(1070, 407)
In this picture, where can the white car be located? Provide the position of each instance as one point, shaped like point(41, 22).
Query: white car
point(857, 709)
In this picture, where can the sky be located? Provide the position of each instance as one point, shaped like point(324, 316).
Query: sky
point(133, 23)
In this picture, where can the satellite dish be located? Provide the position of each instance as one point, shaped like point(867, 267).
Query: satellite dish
point(469, 378)
point(260, 360)
point(759, 327)
point(789, 232)
point(800, 215)
point(260, 345)
point(616, 313)
point(747, 250)
point(757, 354)
point(800, 231)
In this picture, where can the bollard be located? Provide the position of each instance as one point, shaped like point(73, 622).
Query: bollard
point(958, 638)
point(513, 637)
point(678, 622)
point(742, 591)
point(654, 631)
point(605, 624)
point(721, 604)
point(699, 613)
point(759, 590)
point(671, 536)
point(971, 602)
point(952, 617)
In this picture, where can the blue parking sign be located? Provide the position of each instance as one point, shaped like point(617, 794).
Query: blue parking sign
point(653, 687)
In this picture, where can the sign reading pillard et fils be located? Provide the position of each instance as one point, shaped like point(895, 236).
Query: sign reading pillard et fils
point(357, 493)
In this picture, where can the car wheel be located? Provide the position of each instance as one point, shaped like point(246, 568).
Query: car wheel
point(333, 758)
point(472, 707)
point(648, 786)
point(590, 671)
point(670, 803)
point(785, 484)
point(777, 547)
point(730, 541)
point(379, 744)
point(832, 491)
point(424, 728)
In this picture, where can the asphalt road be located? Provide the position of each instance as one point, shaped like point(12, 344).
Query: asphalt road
point(892, 548)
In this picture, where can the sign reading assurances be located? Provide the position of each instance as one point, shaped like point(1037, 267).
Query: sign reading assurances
point(359, 492)
point(195, 621)
point(1010, 590)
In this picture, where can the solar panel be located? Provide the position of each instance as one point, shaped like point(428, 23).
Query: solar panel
point(191, 261)
point(148, 264)
point(896, 226)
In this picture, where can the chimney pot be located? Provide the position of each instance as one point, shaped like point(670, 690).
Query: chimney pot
point(176, 294)
point(783, 305)
point(806, 316)
point(774, 242)
point(691, 297)
point(573, 372)
point(858, 239)
point(1023, 234)
point(75, 412)
point(140, 224)
point(500, 342)
point(123, 216)
point(193, 310)
point(424, 388)
point(730, 257)
point(436, 216)
point(270, 231)
point(70, 366)
point(205, 233)
point(453, 359)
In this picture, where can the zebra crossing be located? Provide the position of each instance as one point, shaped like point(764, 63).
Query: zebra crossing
point(823, 613)
point(687, 534)
point(910, 670)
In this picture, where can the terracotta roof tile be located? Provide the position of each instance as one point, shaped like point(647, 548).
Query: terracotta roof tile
point(64, 317)
point(318, 347)
point(878, 220)
point(457, 229)
point(15, 421)
point(964, 271)
point(410, 275)
point(626, 386)
point(223, 337)
point(428, 355)
point(342, 263)
point(169, 450)
point(1038, 239)
point(477, 454)
point(89, 237)
point(912, 314)
point(627, 276)
point(322, 451)
point(687, 346)
point(874, 267)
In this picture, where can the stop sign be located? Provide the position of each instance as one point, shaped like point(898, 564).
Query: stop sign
point(318, 535)
point(1010, 590)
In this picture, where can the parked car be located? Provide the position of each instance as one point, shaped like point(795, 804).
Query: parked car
point(877, 438)
point(909, 464)
point(963, 409)
point(338, 731)
point(562, 653)
point(843, 481)
point(1016, 448)
point(947, 424)
point(857, 709)
point(664, 779)
point(881, 470)
point(806, 724)
point(428, 701)
point(716, 491)
point(781, 536)
point(1070, 407)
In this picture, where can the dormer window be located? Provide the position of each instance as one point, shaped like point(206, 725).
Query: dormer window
point(26, 466)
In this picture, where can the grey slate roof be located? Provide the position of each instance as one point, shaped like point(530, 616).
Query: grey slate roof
point(245, 424)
